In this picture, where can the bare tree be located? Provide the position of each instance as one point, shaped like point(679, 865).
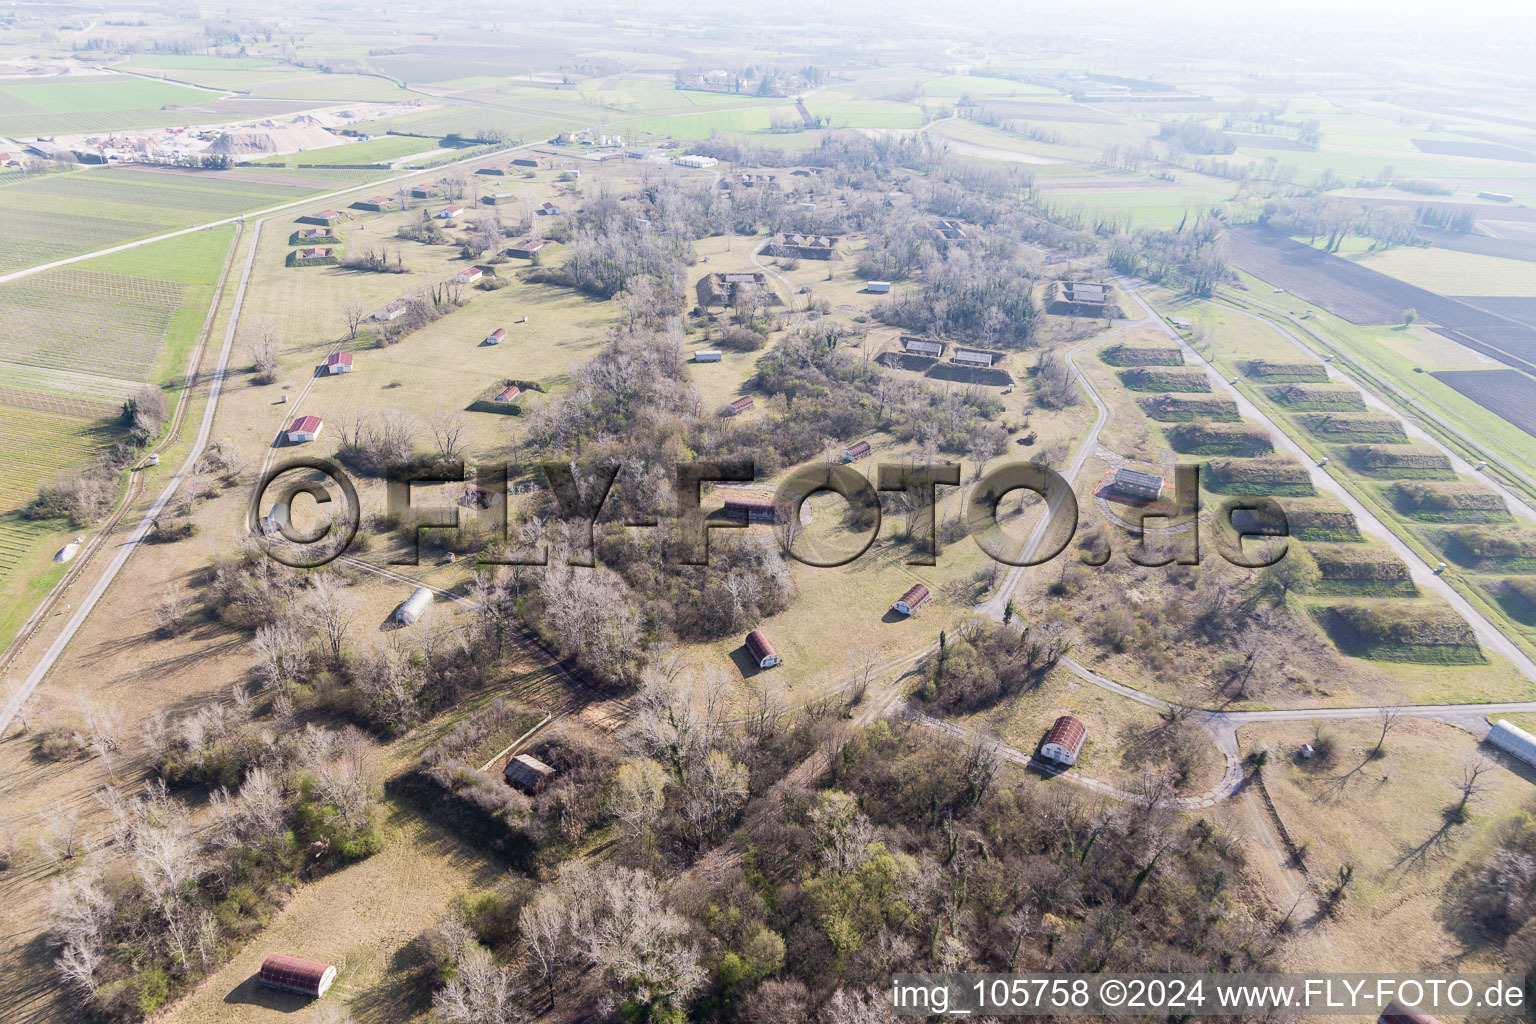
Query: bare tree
point(61, 831)
point(264, 341)
point(862, 662)
point(447, 432)
point(353, 313)
point(480, 992)
point(542, 927)
point(1389, 717)
point(333, 608)
point(1472, 785)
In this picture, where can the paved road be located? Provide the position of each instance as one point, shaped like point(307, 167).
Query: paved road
point(995, 606)
point(1517, 504)
point(51, 655)
point(1419, 408)
point(1489, 635)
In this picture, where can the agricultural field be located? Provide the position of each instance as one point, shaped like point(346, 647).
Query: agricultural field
point(1506, 393)
point(371, 151)
point(56, 216)
point(74, 344)
point(95, 102)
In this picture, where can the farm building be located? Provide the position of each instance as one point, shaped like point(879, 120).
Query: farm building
point(498, 169)
point(498, 198)
point(450, 212)
point(1065, 740)
point(305, 428)
point(721, 289)
point(1136, 484)
point(496, 336)
point(915, 597)
point(952, 230)
point(390, 310)
point(325, 218)
point(314, 254)
point(469, 275)
point(524, 161)
point(1513, 740)
point(878, 287)
point(338, 362)
point(276, 519)
point(762, 650)
point(508, 394)
point(751, 509)
point(920, 347)
point(527, 773)
point(695, 161)
point(376, 204)
point(1084, 291)
point(707, 355)
point(739, 406)
point(548, 209)
point(315, 233)
point(412, 607)
point(973, 357)
point(526, 248)
point(296, 974)
point(1497, 197)
point(425, 191)
point(798, 246)
point(855, 452)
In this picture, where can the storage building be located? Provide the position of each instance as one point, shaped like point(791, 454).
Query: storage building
point(855, 452)
point(1397, 1012)
point(496, 336)
point(305, 428)
point(761, 650)
point(878, 287)
point(912, 600)
point(1065, 740)
point(920, 347)
point(338, 362)
point(739, 406)
point(527, 773)
point(970, 357)
point(1137, 485)
point(707, 355)
point(296, 974)
point(752, 510)
point(1513, 740)
point(412, 607)
point(508, 394)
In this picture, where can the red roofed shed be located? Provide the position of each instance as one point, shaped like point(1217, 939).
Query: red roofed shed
point(296, 974)
point(912, 600)
point(1065, 740)
point(761, 650)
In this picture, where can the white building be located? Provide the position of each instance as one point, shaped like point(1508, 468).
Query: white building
point(413, 607)
point(1513, 740)
point(707, 355)
point(1065, 740)
point(305, 428)
point(694, 160)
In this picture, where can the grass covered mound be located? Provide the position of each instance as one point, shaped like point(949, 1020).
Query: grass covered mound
point(1188, 408)
point(1317, 397)
point(1517, 596)
point(1371, 428)
point(1401, 462)
point(1387, 630)
point(1220, 439)
point(1480, 547)
point(1451, 502)
point(1281, 371)
point(1320, 519)
point(1363, 570)
point(1271, 476)
point(1165, 378)
point(1142, 355)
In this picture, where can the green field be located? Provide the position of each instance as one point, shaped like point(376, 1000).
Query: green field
point(49, 217)
point(74, 343)
point(377, 150)
point(92, 102)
